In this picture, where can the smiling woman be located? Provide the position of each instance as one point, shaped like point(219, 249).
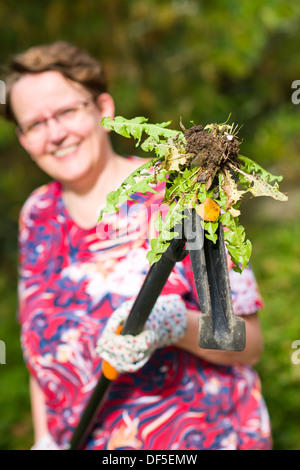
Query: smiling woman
point(58, 125)
point(72, 281)
point(56, 94)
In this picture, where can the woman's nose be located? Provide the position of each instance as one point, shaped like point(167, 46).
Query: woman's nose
point(55, 131)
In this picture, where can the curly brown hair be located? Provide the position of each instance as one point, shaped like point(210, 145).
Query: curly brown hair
point(72, 62)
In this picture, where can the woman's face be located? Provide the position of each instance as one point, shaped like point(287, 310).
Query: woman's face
point(60, 125)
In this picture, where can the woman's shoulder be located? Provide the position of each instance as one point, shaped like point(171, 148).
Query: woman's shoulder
point(42, 201)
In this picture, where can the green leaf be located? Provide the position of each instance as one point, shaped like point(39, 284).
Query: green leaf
point(183, 185)
point(211, 228)
point(249, 166)
point(124, 127)
point(165, 230)
point(238, 247)
point(240, 256)
point(151, 144)
point(137, 126)
point(157, 249)
point(140, 181)
point(260, 187)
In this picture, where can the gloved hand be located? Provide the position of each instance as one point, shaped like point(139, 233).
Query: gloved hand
point(45, 443)
point(166, 325)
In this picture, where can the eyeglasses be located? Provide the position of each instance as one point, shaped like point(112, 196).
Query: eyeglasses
point(67, 117)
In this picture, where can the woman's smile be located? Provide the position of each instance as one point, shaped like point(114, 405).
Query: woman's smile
point(66, 152)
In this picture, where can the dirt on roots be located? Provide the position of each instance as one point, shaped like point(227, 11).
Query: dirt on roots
point(211, 150)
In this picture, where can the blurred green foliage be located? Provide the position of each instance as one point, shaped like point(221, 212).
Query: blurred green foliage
point(172, 59)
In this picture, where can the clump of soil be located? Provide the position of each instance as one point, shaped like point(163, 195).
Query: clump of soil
point(211, 149)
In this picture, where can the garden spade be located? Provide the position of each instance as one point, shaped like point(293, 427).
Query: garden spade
point(219, 328)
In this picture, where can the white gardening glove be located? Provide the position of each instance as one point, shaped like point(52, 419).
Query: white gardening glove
point(166, 325)
point(45, 443)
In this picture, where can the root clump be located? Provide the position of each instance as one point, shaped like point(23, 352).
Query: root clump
point(211, 149)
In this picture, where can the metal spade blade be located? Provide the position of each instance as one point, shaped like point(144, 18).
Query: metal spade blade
point(219, 328)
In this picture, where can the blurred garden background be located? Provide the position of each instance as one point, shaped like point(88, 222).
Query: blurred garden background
point(169, 59)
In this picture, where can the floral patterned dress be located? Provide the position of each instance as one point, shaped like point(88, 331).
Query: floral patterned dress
point(71, 280)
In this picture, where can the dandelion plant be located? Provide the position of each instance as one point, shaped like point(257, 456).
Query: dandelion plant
point(203, 169)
